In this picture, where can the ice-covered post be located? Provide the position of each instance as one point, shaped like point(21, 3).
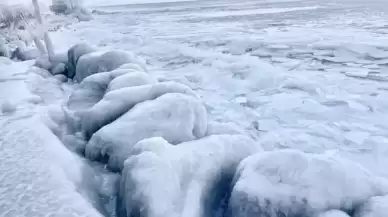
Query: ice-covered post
point(46, 38)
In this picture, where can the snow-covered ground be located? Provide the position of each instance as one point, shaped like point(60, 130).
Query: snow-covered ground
point(305, 75)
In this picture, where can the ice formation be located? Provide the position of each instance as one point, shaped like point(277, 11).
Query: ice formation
point(294, 183)
point(173, 116)
point(193, 178)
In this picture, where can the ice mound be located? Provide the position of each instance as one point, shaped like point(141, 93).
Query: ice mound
point(173, 116)
point(136, 78)
point(190, 179)
point(91, 90)
point(118, 102)
point(39, 176)
point(294, 184)
point(374, 207)
point(96, 62)
point(333, 213)
point(74, 53)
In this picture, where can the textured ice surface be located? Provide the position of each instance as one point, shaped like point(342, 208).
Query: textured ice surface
point(293, 183)
point(116, 103)
point(173, 116)
point(196, 176)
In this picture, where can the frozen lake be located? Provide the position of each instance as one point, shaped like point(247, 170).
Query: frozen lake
point(308, 75)
point(239, 109)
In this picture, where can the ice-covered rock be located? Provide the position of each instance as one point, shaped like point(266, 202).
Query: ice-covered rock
point(91, 90)
point(118, 102)
point(97, 62)
point(137, 67)
point(291, 183)
point(87, 94)
point(191, 179)
point(59, 69)
point(333, 213)
point(74, 53)
point(173, 116)
point(135, 78)
point(374, 207)
point(61, 78)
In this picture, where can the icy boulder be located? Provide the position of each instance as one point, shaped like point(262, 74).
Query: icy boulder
point(333, 213)
point(374, 207)
point(291, 183)
point(173, 116)
point(91, 90)
point(191, 179)
point(87, 94)
point(117, 102)
point(74, 53)
point(135, 78)
point(97, 62)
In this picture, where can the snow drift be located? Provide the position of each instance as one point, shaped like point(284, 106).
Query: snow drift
point(189, 179)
